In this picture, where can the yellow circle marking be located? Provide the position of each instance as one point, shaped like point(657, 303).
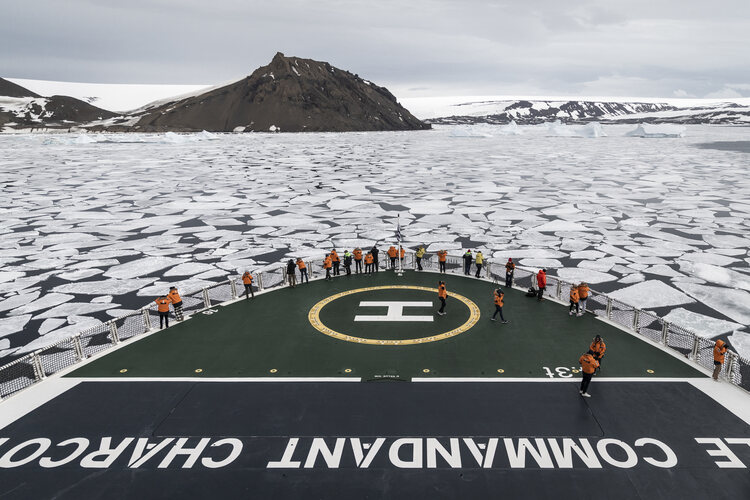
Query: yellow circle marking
point(426, 370)
point(314, 317)
point(575, 370)
point(649, 371)
point(347, 370)
point(199, 370)
point(124, 370)
point(273, 370)
point(500, 370)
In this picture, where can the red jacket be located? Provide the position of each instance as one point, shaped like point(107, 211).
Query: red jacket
point(541, 279)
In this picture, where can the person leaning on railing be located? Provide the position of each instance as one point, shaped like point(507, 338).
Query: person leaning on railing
point(174, 296)
point(291, 273)
point(357, 260)
point(162, 305)
point(510, 267)
point(302, 271)
point(720, 349)
point(247, 280)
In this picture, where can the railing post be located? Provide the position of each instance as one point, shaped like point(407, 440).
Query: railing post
point(558, 292)
point(487, 271)
point(609, 308)
point(636, 319)
point(664, 332)
point(113, 332)
point(36, 362)
point(146, 320)
point(233, 286)
point(206, 300)
point(694, 351)
point(260, 281)
point(78, 347)
point(732, 366)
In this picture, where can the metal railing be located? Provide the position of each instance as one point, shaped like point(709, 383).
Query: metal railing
point(34, 367)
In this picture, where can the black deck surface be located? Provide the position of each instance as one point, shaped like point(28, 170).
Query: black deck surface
point(264, 416)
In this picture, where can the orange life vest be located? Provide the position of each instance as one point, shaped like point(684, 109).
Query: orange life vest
point(583, 291)
point(720, 349)
point(335, 256)
point(327, 263)
point(574, 295)
point(598, 347)
point(403, 252)
point(174, 296)
point(301, 264)
point(499, 299)
point(392, 252)
point(442, 254)
point(442, 292)
point(369, 259)
point(357, 254)
point(588, 363)
point(163, 304)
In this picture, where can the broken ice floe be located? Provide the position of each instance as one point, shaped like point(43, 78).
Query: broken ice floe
point(650, 294)
point(700, 323)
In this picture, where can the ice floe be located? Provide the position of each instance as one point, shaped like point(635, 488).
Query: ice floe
point(650, 294)
point(734, 304)
point(700, 323)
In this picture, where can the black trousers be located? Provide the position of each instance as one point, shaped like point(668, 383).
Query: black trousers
point(393, 262)
point(573, 305)
point(498, 309)
point(249, 291)
point(375, 265)
point(328, 273)
point(163, 318)
point(585, 381)
point(178, 310)
point(479, 270)
point(467, 268)
point(442, 267)
point(419, 263)
point(303, 276)
point(336, 268)
point(508, 280)
point(540, 292)
point(348, 269)
point(442, 304)
point(358, 266)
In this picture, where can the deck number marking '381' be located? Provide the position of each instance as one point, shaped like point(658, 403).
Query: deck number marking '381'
point(561, 371)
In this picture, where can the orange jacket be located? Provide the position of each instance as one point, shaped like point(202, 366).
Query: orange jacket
point(598, 347)
point(392, 252)
point(720, 348)
point(442, 292)
point(583, 291)
point(163, 304)
point(174, 296)
point(327, 263)
point(247, 278)
point(574, 295)
point(403, 252)
point(335, 256)
point(442, 254)
point(499, 299)
point(509, 267)
point(301, 264)
point(588, 363)
point(541, 279)
point(369, 259)
point(357, 254)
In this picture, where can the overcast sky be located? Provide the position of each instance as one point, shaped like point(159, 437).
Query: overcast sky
point(658, 48)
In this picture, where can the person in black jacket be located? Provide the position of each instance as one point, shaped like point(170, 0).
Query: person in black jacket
point(374, 251)
point(467, 262)
point(291, 273)
point(348, 262)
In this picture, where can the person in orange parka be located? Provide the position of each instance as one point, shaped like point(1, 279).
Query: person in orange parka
point(392, 254)
point(588, 367)
point(541, 281)
point(583, 296)
point(402, 253)
point(174, 296)
point(597, 349)
point(720, 349)
point(442, 255)
point(369, 263)
point(442, 295)
point(498, 297)
point(327, 264)
point(336, 261)
point(247, 280)
point(162, 305)
point(573, 300)
point(357, 260)
point(302, 271)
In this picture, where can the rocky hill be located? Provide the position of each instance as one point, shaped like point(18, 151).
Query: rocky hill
point(22, 109)
point(290, 95)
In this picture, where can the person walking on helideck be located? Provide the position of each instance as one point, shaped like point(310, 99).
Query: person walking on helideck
point(247, 280)
point(588, 367)
point(479, 261)
point(174, 296)
point(498, 298)
point(420, 255)
point(302, 271)
point(720, 349)
point(291, 273)
point(510, 268)
point(597, 349)
point(162, 305)
point(442, 295)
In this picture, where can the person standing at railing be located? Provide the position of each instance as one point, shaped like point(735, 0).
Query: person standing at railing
point(327, 265)
point(357, 260)
point(588, 367)
point(247, 280)
point(392, 254)
point(573, 300)
point(420, 255)
point(541, 281)
point(369, 263)
point(291, 273)
point(348, 262)
point(162, 305)
point(498, 297)
point(597, 349)
point(303, 278)
point(442, 256)
point(174, 296)
point(478, 260)
point(336, 261)
point(442, 295)
point(720, 349)
point(510, 268)
point(583, 295)
point(467, 262)
point(375, 263)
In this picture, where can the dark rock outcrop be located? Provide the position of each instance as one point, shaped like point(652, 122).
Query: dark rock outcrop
point(10, 89)
point(289, 95)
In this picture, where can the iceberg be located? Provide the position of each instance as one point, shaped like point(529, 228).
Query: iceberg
point(659, 131)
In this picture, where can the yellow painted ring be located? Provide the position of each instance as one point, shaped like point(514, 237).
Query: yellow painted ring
point(199, 370)
point(124, 370)
point(426, 370)
point(314, 318)
point(649, 371)
point(347, 370)
point(273, 370)
point(500, 370)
